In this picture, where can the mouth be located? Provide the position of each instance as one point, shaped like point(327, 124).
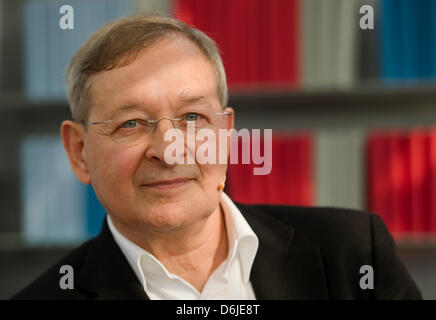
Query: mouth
point(168, 184)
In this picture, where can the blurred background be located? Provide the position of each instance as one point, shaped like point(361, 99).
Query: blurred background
point(352, 111)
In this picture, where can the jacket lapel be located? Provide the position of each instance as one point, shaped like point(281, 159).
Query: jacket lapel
point(105, 273)
point(282, 270)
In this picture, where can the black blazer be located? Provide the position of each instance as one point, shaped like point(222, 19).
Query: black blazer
point(304, 253)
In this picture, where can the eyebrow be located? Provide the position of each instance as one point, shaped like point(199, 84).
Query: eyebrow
point(134, 104)
point(184, 99)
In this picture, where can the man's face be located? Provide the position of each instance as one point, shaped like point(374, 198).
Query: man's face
point(164, 80)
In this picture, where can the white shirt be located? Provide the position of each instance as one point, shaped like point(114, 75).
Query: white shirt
point(230, 281)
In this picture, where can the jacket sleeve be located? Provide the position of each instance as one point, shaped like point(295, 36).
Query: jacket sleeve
point(391, 279)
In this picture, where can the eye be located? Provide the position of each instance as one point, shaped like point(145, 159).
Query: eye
point(130, 124)
point(192, 116)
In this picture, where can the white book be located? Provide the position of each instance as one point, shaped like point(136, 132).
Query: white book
point(328, 43)
point(347, 35)
point(310, 42)
point(160, 7)
point(340, 168)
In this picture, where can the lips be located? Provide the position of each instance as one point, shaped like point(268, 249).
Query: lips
point(165, 184)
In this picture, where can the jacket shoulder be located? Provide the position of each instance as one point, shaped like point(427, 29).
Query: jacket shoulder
point(321, 225)
point(347, 240)
point(47, 287)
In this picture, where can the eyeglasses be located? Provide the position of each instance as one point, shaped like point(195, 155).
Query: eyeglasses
point(134, 129)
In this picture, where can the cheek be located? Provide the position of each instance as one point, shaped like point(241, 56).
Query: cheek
point(116, 165)
point(212, 175)
point(123, 162)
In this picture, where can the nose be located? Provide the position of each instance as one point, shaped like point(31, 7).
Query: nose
point(157, 146)
point(156, 122)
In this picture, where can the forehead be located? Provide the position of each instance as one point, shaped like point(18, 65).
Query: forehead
point(171, 71)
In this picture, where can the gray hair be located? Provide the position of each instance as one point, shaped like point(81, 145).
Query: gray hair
point(118, 43)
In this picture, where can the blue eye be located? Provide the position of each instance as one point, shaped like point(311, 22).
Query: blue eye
point(192, 116)
point(130, 124)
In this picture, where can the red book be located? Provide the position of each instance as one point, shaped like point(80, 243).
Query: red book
point(259, 183)
point(287, 183)
point(277, 38)
point(258, 39)
point(432, 157)
point(292, 169)
point(183, 10)
point(379, 179)
point(306, 174)
point(278, 193)
point(252, 58)
point(420, 182)
point(292, 23)
point(400, 170)
point(239, 176)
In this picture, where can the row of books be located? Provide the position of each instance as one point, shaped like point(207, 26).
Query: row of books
point(323, 167)
point(258, 39)
point(402, 178)
point(295, 43)
point(48, 49)
point(391, 173)
point(318, 43)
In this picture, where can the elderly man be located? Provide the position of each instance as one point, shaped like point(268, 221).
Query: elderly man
point(170, 231)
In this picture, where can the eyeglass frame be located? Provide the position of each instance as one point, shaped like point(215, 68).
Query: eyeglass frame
point(154, 121)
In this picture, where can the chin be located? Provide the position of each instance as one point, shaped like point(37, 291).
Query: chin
point(168, 220)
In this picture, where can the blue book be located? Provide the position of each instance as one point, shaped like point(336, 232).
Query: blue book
point(56, 51)
point(56, 208)
point(392, 56)
point(48, 49)
point(65, 41)
point(424, 56)
point(35, 49)
point(432, 40)
point(53, 199)
point(408, 49)
point(95, 213)
point(416, 28)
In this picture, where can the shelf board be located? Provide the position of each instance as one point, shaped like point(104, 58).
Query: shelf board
point(13, 241)
point(276, 96)
point(318, 98)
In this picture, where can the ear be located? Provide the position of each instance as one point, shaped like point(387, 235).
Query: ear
point(73, 139)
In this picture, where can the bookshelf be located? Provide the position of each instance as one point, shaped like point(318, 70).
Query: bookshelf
point(365, 105)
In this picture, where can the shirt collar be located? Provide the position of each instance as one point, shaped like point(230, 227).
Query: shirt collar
point(243, 243)
point(242, 239)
